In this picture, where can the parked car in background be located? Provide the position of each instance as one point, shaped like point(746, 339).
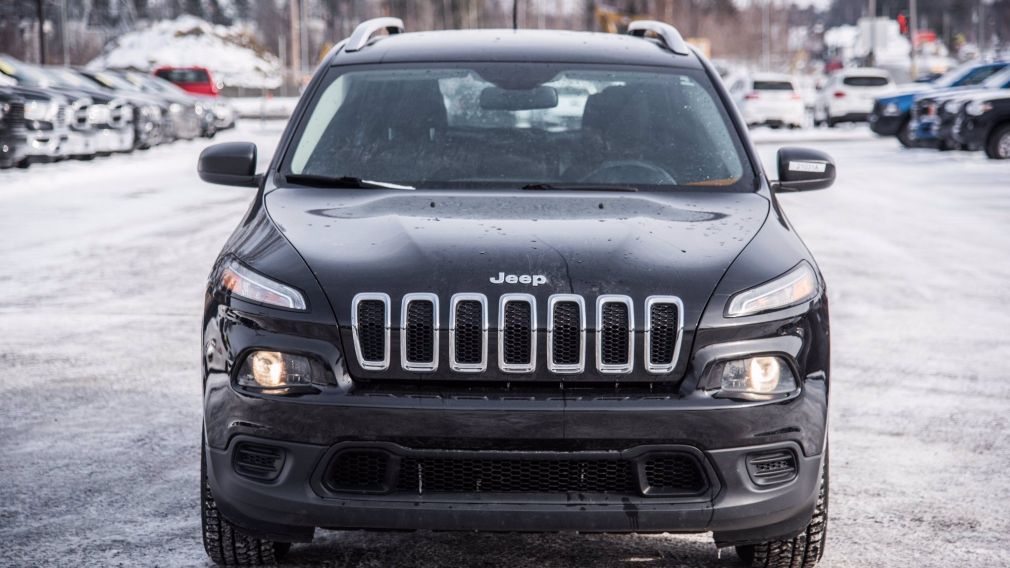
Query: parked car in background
point(193, 79)
point(110, 116)
point(933, 114)
point(13, 136)
point(848, 95)
point(891, 114)
point(189, 117)
point(46, 124)
point(984, 123)
point(150, 113)
point(769, 99)
point(80, 142)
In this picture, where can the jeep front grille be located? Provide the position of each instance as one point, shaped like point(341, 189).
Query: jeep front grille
point(371, 325)
point(419, 332)
point(517, 333)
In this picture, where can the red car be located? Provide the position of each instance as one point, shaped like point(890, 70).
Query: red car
point(193, 79)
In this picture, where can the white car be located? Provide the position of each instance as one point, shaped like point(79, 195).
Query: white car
point(768, 99)
point(848, 95)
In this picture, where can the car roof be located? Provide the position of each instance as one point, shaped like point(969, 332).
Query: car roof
point(515, 46)
point(863, 72)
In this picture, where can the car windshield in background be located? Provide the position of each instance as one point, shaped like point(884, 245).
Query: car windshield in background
point(773, 86)
point(515, 125)
point(865, 81)
point(183, 75)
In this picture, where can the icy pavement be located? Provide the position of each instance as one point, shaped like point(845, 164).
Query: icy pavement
point(101, 285)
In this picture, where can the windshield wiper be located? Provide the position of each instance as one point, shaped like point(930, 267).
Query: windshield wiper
point(578, 186)
point(343, 181)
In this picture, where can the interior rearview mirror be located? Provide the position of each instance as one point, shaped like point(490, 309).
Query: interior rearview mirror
point(803, 169)
point(496, 98)
point(230, 163)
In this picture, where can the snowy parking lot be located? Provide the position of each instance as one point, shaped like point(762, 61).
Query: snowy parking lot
point(101, 291)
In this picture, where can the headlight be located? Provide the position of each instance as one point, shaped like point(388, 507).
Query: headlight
point(754, 376)
point(175, 108)
point(952, 107)
point(978, 108)
point(99, 114)
point(41, 110)
point(198, 109)
point(273, 369)
point(3, 109)
point(891, 110)
point(794, 287)
point(255, 287)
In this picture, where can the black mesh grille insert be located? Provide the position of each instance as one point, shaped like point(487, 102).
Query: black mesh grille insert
point(614, 333)
point(518, 332)
point(359, 471)
point(663, 336)
point(372, 330)
point(258, 461)
point(673, 475)
point(566, 334)
point(769, 468)
point(447, 475)
point(469, 343)
point(16, 114)
point(419, 330)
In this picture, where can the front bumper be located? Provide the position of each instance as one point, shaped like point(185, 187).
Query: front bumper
point(46, 145)
point(12, 150)
point(885, 125)
point(114, 139)
point(80, 144)
point(970, 132)
point(722, 434)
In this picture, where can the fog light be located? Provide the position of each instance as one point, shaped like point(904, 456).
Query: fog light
point(756, 375)
point(273, 369)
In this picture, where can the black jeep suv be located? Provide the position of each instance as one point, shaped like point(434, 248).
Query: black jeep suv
point(515, 281)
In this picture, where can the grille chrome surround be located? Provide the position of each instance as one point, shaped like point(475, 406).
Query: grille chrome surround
point(419, 366)
point(455, 365)
point(502, 330)
point(629, 364)
point(371, 364)
point(649, 303)
point(562, 368)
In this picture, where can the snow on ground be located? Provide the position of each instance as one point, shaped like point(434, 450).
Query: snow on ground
point(101, 291)
point(231, 53)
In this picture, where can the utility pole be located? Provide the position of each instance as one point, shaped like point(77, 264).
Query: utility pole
point(40, 5)
point(766, 40)
point(872, 58)
point(295, 51)
point(913, 25)
point(63, 32)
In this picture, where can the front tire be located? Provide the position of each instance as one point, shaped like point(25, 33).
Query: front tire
point(802, 551)
point(224, 542)
point(998, 146)
point(904, 136)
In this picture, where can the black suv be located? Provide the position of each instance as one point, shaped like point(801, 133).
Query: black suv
point(515, 281)
point(13, 136)
point(983, 121)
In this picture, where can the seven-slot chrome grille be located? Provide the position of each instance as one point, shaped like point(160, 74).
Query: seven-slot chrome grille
point(613, 334)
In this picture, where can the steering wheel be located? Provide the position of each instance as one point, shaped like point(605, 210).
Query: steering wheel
point(629, 171)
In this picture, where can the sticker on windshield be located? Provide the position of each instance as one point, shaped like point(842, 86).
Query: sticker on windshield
point(816, 167)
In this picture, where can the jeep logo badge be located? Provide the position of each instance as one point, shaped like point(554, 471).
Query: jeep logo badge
point(534, 279)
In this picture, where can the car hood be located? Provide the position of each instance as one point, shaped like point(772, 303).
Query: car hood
point(638, 244)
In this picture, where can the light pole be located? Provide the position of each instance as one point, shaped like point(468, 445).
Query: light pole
point(913, 25)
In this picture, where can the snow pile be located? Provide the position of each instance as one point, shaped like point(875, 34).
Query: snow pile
point(231, 53)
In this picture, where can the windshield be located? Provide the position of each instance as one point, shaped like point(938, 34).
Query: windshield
point(510, 125)
point(967, 74)
point(865, 81)
point(25, 74)
point(998, 80)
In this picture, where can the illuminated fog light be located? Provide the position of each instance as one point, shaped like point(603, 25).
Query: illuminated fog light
point(756, 375)
point(891, 110)
point(273, 369)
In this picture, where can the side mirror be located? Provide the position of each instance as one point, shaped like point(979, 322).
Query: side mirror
point(230, 163)
point(802, 169)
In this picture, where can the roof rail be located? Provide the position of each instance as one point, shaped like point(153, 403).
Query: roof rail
point(666, 33)
point(367, 29)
